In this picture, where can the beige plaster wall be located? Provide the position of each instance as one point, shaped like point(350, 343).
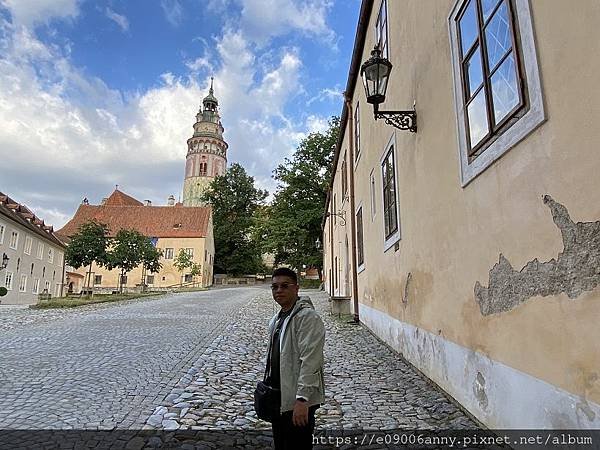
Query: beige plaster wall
point(452, 236)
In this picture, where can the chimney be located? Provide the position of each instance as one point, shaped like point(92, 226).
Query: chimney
point(147, 203)
point(171, 200)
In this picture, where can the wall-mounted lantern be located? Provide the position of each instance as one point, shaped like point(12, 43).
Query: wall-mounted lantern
point(375, 73)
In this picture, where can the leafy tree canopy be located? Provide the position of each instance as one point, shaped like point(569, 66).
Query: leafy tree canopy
point(88, 245)
point(235, 200)
point(294, 218)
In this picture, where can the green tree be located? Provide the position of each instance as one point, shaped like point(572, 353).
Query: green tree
point(235, 200)
point(294, 219)
point(150, 260)
point(182, 261)
point(87, 246)
point(129, 249)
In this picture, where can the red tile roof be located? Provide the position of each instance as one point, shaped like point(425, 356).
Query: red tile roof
point(25, 217)
point(151, 221)
point(118, 198)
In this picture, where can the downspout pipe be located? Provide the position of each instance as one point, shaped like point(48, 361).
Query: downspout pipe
point(350, 167)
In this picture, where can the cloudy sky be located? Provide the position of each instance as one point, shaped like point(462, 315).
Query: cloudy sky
point(105, 92)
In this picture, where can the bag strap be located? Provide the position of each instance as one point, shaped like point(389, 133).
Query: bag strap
point(271, 339)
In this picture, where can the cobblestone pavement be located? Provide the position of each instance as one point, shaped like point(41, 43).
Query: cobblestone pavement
point(190, 362)
point(106, 366)
point(368, 385)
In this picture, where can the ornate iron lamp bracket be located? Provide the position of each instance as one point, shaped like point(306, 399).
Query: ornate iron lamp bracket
point(403, 120)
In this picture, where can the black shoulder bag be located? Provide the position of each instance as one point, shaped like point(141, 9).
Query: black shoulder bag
point(267, 400)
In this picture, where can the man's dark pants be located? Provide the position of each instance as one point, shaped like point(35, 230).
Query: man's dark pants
point(287, 436)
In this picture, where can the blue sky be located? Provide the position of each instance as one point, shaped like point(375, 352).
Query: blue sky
point(98, 93)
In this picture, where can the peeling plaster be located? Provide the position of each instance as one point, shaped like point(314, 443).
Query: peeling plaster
point(577, 268)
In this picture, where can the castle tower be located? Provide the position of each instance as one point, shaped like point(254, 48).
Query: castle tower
point(207, 151)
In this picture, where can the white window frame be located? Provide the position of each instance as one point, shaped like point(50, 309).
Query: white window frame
point(28, 245)
point(14, 234)
point(170, 255)
point(360, 267)
point(357, 151)
point(40, 250)
point(373, 194)
point(524, 125)
point(23, 283)
point(189, 251)
point(36, 286)
point(389, 242)
point(50, 255)
point(47, 286)
point(385, 50)
point(8, 280)
point(2, 231)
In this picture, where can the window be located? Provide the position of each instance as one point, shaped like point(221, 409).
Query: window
point(357, 132)
point(149, 279)
point(23, 283)
point(372, 192)
point(381, 31)
point(360, 255)
point(14, 240)
point(188, 278)
point(124, 280)
point(497, 88)
point(168, 253)
point(97, 279)
point(36, 286)
point(205, 254)
point(203, 169)
point(8, 280)
point(18, 264)
point(335, 277)
point(32, 267)
point(189, 252)
point(344, 179)
point(389, 194)
point(40, 250)
point(50, 255)
point(334, 209)
point(47, 287)
point(2, 230)
point(28, 244)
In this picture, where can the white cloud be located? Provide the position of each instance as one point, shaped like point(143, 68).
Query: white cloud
point(119, 19)
point(173, 11)
point(33, 12)
point(69, 135)
point(330, 94)
point(263, 19)
point(316, 124)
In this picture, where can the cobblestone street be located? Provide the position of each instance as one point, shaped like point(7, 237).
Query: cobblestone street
point(191, 362)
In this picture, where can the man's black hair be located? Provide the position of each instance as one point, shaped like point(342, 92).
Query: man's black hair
point(285, 272)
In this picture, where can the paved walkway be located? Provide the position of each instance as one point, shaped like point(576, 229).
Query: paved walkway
point(368, 386)
point(190, 362)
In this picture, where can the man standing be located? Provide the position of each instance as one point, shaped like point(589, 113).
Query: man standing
point(297, 336)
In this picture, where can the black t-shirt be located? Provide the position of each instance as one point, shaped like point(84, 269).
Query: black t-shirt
point(275, 380)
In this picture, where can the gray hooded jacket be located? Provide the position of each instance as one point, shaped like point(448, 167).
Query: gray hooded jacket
point(301, 355)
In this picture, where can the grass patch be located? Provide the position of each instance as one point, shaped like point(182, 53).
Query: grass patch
point(72, 302)
point(310, 284)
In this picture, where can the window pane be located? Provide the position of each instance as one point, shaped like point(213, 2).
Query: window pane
point(505, 89)
point(487, 7)
point(468, 27)
point(478, 124)
point(497, 35)
point(474, 72)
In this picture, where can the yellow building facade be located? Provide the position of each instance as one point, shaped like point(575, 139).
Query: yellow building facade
point(478, 237)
